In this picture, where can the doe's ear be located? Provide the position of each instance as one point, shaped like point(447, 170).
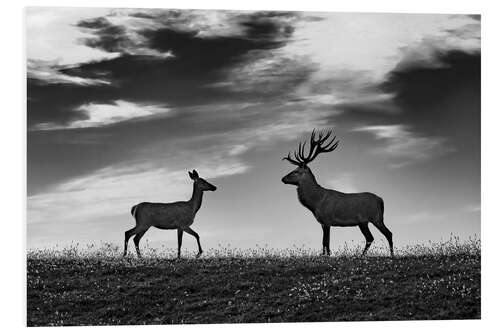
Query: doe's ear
point(195, 174)
point(190, 175)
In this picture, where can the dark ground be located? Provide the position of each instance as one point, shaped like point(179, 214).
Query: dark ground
point(70, 288)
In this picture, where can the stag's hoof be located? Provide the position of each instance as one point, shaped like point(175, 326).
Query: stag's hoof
point(363, 255)
point(199, 254)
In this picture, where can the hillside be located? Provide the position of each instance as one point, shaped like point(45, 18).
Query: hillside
point(71, 287)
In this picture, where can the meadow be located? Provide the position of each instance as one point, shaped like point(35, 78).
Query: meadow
point(94, 285)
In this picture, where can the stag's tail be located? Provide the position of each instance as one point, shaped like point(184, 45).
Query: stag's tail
point(133, 210)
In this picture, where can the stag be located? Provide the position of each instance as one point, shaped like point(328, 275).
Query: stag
point(333, 208)
point(176, 215)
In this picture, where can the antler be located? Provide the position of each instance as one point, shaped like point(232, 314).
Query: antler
point(317, 145)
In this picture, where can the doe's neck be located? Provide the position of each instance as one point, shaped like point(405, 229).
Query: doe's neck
point(196, 198)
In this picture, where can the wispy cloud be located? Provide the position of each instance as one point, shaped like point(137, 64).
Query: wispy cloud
point(50, 72)
point(112, 191)
point(404, 146)
point(121, 33)
point(129, 31)
point(473, 208)
point(107, 114)
point(343, 183)
point(424, 217)
point(267, 73)
point(253, 125)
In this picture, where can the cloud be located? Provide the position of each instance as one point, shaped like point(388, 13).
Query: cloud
point(404, 146)
point(111, 191)
point(429, 52)
point(247, 56)
point(424, 217)
point(249, 82)
point(267, 73)
point(118, 37)
point(450, 73)
point(473, 208)
point(370, 103)
point(51, 35)
point(177, 139)
point(106, 114)
point(50, 73)
point(166, 33)
point(372, 43)
point(343, 183)
point(354, 61)
point(241, 128)
point(180, 60)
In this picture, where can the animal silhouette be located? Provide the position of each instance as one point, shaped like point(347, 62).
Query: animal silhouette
point(332, 208)
point(176, 215)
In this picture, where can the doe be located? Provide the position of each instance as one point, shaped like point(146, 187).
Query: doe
point(175, 215)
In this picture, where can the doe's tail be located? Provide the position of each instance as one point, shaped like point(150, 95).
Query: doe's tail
point(133, 210)
point(379, 216)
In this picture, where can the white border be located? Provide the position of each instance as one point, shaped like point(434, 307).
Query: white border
point(13, 281)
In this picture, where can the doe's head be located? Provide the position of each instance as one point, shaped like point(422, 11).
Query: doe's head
point(200, 182)
point(319, 143)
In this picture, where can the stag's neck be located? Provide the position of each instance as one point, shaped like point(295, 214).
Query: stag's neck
point(310, 193)
point(196, 198)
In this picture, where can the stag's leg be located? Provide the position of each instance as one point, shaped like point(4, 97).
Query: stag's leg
point(387, 233)
point(195, 234)
point(179, 242)
point(323, 243)
point(128, 234)
point(368, 236)
point(326, 239)
point(137, 239)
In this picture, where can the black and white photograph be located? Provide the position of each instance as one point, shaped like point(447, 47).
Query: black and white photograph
point(216, 166)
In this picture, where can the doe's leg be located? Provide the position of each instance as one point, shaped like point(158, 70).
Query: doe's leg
point(195, 234)
point(137, 239)
point(128, 234)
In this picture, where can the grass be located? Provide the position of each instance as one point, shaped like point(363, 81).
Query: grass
point(95, 286)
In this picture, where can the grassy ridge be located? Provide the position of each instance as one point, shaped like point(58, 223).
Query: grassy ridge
point(69, 287)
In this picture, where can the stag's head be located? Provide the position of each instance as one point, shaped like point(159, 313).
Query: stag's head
point(320, 142)
point(201, 183)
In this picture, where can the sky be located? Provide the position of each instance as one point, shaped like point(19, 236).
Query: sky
point(121, 103)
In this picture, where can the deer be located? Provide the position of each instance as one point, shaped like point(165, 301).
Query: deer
point(168, 216)
point(332, 208)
